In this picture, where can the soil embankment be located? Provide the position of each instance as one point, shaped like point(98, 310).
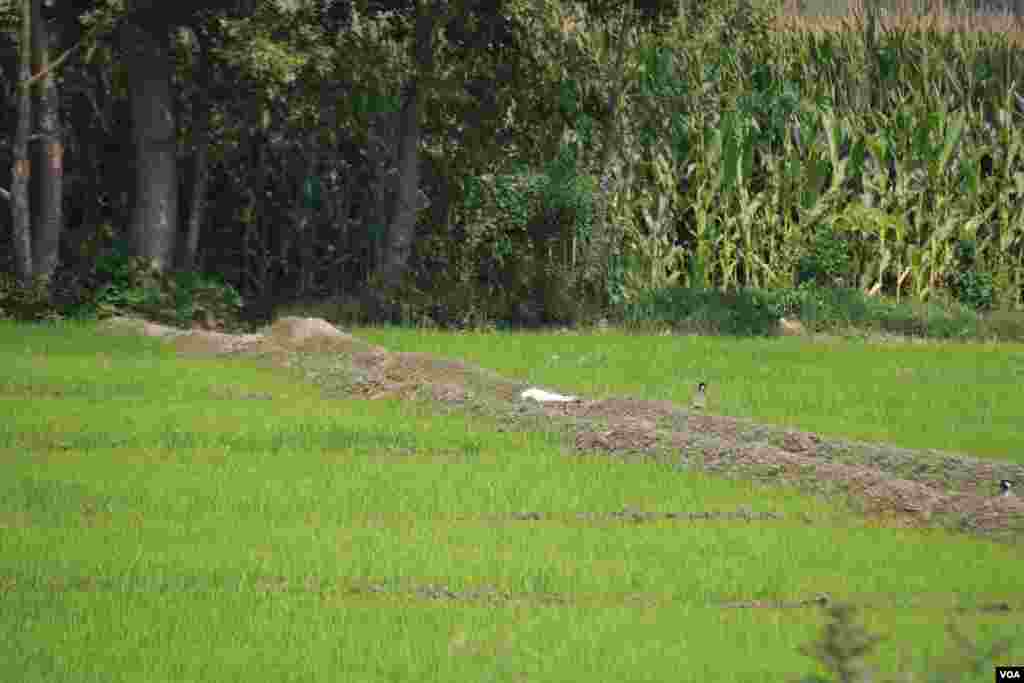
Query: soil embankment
point(901, 486)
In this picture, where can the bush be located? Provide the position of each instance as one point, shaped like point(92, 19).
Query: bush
point(971, 287)
point(30, 303)
point(827, 260)
point(1003, 325)
point(842, 648)
point(974, 289)
point(844, 645)
point(744, 312)
point(824, 308)
point(120, 284)
point(127, 285)
point(818, 308)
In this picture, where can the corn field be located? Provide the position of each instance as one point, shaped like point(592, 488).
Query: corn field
point(899, 141)
point(749, 141)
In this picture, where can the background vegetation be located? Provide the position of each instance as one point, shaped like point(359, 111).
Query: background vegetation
point(708, 166)
point(525, 162)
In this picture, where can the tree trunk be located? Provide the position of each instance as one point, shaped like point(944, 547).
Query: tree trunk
point(49, 223)
point(201, 142)
point(154, 216)
point(384, 129)
point(21, 172)
point(308, 219)
point(402, 229)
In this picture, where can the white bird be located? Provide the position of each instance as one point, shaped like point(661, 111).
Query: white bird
point(1005, 486)
point(700, 399)
point(542, 396)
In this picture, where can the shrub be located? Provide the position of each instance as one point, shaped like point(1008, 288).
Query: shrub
point(827, 260)
point(120, 284)
point(844, 645)
point(24, 303)
point(971, 287)
point(1004, 325)
point(744, 312)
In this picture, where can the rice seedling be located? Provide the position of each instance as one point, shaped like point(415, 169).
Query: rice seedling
point(150, 509)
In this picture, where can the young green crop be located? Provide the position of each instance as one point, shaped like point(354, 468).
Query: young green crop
point(159, 523)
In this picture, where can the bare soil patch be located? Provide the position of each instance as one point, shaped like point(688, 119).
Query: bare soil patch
point(897, 486)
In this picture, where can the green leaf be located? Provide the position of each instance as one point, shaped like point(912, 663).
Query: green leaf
point(953, 134)
point(856, 159)
point(817, 173)
point(730, 154)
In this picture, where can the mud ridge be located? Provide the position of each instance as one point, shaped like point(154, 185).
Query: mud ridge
point(903, 487)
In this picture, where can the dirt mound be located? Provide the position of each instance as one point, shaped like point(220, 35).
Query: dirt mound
point(302, 332)
point(901, 486)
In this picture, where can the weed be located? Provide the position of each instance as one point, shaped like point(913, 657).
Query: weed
point(842, 648)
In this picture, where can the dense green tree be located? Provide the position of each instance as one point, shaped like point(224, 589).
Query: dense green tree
point(146, 32)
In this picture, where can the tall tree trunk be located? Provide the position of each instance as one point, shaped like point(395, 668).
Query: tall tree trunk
point(21, 172)
point(49, 219)
point(402, 229)
point(384, 129)
point(154, 216)
point(201, 142)
point(308, 216)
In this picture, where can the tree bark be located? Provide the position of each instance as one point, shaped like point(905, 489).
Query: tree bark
point(306, 227)
point(21, 172)
point(49, 219)
point(154, 216)
point(201, 142)
point(402, 228)
point(384, 128)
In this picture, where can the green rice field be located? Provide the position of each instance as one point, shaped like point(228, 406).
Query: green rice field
point(172, 519)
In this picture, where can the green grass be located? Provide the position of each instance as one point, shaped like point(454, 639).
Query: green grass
point(155, 525)
point(951, 396)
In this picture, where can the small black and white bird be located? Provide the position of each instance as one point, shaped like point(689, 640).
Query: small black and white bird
point(700, 399)
point(1005, 486)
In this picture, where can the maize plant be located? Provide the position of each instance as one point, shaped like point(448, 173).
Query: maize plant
point(730, 158)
